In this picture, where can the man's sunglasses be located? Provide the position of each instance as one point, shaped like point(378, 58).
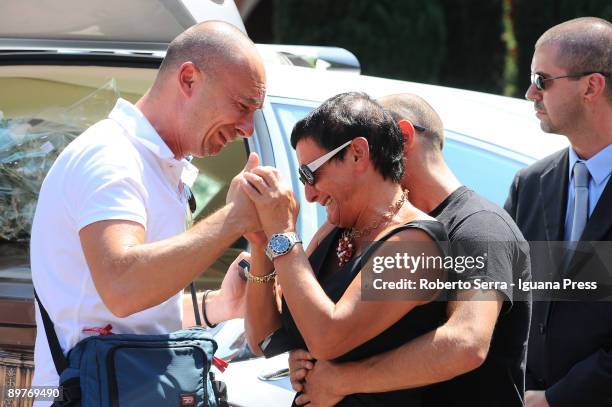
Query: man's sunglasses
point(538, 80)
point(307, 171)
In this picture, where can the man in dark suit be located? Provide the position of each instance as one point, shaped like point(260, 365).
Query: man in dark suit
point(568, 197)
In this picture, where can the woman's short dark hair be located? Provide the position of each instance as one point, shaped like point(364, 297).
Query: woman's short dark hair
point(350, 115)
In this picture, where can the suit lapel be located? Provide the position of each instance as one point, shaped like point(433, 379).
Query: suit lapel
point(600, 221)
point(599, 224)
point(553, 193)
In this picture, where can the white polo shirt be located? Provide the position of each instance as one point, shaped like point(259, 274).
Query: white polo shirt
point(119, 168)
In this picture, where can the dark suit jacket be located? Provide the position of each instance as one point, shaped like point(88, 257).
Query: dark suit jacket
point(570, 343)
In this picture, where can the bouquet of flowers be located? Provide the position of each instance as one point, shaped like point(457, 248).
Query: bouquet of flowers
point(28, 148)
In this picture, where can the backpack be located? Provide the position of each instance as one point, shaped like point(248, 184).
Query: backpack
point(137, 370)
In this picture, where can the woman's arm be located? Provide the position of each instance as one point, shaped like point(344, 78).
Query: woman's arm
point(262, 316)
point(330, 330)
point(262, 299)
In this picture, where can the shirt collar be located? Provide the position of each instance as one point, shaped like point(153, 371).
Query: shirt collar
point(138, 128)
point(599, 166)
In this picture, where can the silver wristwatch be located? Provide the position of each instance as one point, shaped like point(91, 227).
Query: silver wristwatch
point(281, 243)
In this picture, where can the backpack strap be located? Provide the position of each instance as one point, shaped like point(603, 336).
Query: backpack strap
point(191, 200)
point(194, 300)
point(59, 360)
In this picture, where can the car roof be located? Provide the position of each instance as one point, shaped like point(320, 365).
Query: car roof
point(502, 121)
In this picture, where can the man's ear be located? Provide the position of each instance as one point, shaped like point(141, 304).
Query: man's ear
point(408, 132)
point(595, 86)
point(188, 74)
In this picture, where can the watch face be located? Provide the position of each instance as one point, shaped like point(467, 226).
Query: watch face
point(280, 244)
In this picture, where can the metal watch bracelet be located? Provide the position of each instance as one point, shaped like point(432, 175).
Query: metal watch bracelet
point(281, 244)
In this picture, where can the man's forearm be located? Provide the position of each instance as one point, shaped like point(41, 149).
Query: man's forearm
point(434, 357)
point(153, 272)
point(216, 309)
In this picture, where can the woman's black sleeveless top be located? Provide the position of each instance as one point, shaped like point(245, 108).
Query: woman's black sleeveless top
point(418, 321)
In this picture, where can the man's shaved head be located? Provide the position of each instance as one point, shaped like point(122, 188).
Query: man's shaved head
point(208, 88)
point(211, 46)
point(417, 111)
point(584, 45)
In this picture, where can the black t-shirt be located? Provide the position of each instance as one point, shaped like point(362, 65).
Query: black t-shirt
point(476, 226)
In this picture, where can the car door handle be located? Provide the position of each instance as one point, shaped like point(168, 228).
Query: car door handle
point(274, 375)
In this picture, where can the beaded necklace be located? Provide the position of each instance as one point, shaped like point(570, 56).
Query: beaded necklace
point(346, 244)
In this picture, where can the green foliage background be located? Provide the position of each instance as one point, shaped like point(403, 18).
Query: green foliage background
point(459, 43)
point(397, 39)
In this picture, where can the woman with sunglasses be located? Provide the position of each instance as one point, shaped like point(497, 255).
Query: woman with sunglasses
point(351, 153)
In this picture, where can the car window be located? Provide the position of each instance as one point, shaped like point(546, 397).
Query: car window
point(210, 188)
point(40, 114)
point(487, 172)
point(288, 115)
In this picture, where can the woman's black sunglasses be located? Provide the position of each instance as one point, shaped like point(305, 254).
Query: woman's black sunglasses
point(307, 171)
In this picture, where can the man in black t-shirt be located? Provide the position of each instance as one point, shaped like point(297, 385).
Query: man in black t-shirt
point(477, 226)
point(477, 358)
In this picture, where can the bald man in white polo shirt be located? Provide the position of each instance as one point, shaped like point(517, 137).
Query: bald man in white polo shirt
point(109, 244)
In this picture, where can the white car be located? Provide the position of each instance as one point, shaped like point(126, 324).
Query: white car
point(62, 66)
